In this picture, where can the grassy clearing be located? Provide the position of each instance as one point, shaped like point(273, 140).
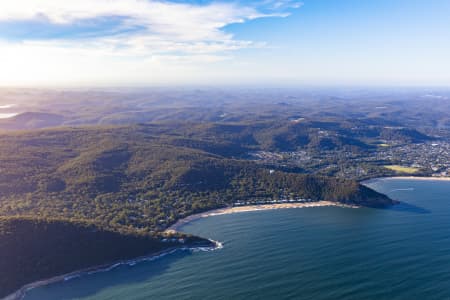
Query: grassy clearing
point(402, 169)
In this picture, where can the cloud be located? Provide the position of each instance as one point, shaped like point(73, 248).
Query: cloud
point(149, 40)
point(146, 26)
point(281, 4)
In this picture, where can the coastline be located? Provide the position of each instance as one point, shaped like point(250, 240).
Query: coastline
point(428, 178)
point(21, 293)
point(262, 207)
point(250, 208)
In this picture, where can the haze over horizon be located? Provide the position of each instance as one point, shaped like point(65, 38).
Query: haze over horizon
point(276, 42)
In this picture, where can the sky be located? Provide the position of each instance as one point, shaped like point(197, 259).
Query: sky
point(241, 42)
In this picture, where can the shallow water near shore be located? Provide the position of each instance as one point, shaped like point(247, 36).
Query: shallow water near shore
point(308, 253)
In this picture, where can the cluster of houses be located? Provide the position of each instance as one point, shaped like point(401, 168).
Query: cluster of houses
point(259, 202)
point(432, 157)
point(173, 240)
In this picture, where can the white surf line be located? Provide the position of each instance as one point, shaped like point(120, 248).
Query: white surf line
point(405, 189)
point(21, 293)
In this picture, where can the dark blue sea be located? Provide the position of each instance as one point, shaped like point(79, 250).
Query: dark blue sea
point(308, 253)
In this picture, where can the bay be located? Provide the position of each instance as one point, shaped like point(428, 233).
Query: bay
point(310, 253)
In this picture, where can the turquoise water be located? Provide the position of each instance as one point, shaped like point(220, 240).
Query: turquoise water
point(311, 253)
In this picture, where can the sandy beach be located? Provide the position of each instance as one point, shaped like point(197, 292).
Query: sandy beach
point(423, 178)
point(413, 178)
point(250, 208)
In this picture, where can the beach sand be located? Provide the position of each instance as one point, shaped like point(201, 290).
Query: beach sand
point(249, 208)
point(414, 178)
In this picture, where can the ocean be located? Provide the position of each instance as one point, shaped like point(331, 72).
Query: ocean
point(309, 253)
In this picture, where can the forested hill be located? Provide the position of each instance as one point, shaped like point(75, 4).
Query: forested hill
point(142, 178)
point(35, 249)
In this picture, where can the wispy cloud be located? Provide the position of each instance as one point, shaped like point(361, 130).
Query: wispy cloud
point(281, 4)
point(140, 27)
point(85, 41)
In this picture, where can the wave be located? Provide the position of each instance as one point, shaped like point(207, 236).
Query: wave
point(404, 189)
point(71, 277)
point(133, 262)
point(21, 293)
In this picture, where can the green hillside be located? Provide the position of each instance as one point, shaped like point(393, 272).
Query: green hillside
point(145, 177)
